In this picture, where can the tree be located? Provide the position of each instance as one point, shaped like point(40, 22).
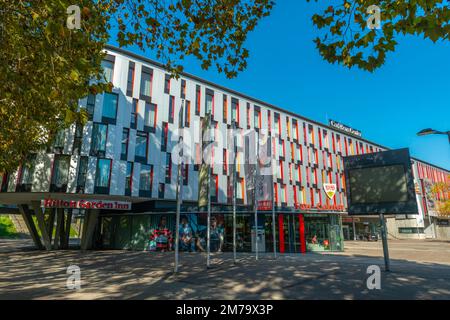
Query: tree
point(347, 39)
point(46, 68)
point(443, 189)
point(213, 31)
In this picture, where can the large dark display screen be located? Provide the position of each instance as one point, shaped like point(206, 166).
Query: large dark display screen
point(380, 182)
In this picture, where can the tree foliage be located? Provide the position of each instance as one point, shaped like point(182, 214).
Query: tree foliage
point(212, 31)
point(347, 40)
point(443, 189)
point(46, 68)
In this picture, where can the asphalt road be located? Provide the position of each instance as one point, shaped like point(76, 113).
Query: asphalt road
point(420, 270)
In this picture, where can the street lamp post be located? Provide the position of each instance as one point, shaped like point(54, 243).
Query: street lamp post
point(429, 131)
point(426, 132)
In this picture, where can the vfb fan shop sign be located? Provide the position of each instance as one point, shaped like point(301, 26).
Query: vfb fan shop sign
point(86, 204)
point(330, 189)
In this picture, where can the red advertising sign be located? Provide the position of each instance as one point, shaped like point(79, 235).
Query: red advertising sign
point(86, 204)
point(324, 207)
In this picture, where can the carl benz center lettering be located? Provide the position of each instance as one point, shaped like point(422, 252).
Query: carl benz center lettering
point(240, 148)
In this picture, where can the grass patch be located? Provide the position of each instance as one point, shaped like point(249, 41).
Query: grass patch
point(7, 229)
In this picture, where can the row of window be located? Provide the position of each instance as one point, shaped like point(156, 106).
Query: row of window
point(349, 147)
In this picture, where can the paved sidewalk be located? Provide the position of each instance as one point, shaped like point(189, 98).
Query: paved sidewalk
point(28, 274)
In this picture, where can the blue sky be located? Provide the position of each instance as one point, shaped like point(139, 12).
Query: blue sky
point(409, 93)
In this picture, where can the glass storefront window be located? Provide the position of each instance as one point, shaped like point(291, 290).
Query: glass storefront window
point(323, 232)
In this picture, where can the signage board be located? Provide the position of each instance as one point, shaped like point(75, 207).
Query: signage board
point(330, 190)
point(86, 204)
point(342, 127)
point(380, 183)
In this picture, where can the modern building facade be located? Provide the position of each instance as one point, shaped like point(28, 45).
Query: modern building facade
point(123, 155)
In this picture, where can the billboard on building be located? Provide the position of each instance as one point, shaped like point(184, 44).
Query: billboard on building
point(264, 174)
point(380, 182)
point(204, 177)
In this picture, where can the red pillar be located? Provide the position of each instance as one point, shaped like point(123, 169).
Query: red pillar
point(281, 232)
point(302, 233)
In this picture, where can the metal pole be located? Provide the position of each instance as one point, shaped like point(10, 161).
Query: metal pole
point(208, 222)
point(385, 244)
point(273, 213)
point(177, 224)
point(354, 229)
point(255, 205)
point(179, 189)
point(234, 191)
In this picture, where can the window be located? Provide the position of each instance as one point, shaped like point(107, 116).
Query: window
point(58, 143)
point(146, 181)
point(269, 121)
point(167, 84)
point(225, 162)
point(187, 114)
point(197, 100)
point(60, 174)
point(209, 102)
point(277, 124)
point(240, 189)
point(124, 146)
point(248, 115)
point(283, 194)
point(171, 108)
point(130, 80)
point(168, 168)
point(102, 176)
point(295, 124)
point(81, 176)
point(183, 89)
point(108, 68)
point(326, 140)
point(235, 110)
point(225, 108)
point(134, 114)
point(288, 127)
point(146, 83)
point(280, 149)
point(129, 179)
point(161, 189)
point(90, 106)
point(99, 134)
point(275, 191)
point(110, 101)
point(214, 187)
point(257, 118)
point(310, 134)
point(26, 174)
point(185, 174)
point(141, 146)
point(150, 117)
point(78, 139)
point(164, 135)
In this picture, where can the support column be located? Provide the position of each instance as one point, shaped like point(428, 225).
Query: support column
point(302, 233)
point(51, 223)
point(42, 225)
point(59, 228)
point(66, 236)
point(281, 232)
point(28, 218)
point(90, 221)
